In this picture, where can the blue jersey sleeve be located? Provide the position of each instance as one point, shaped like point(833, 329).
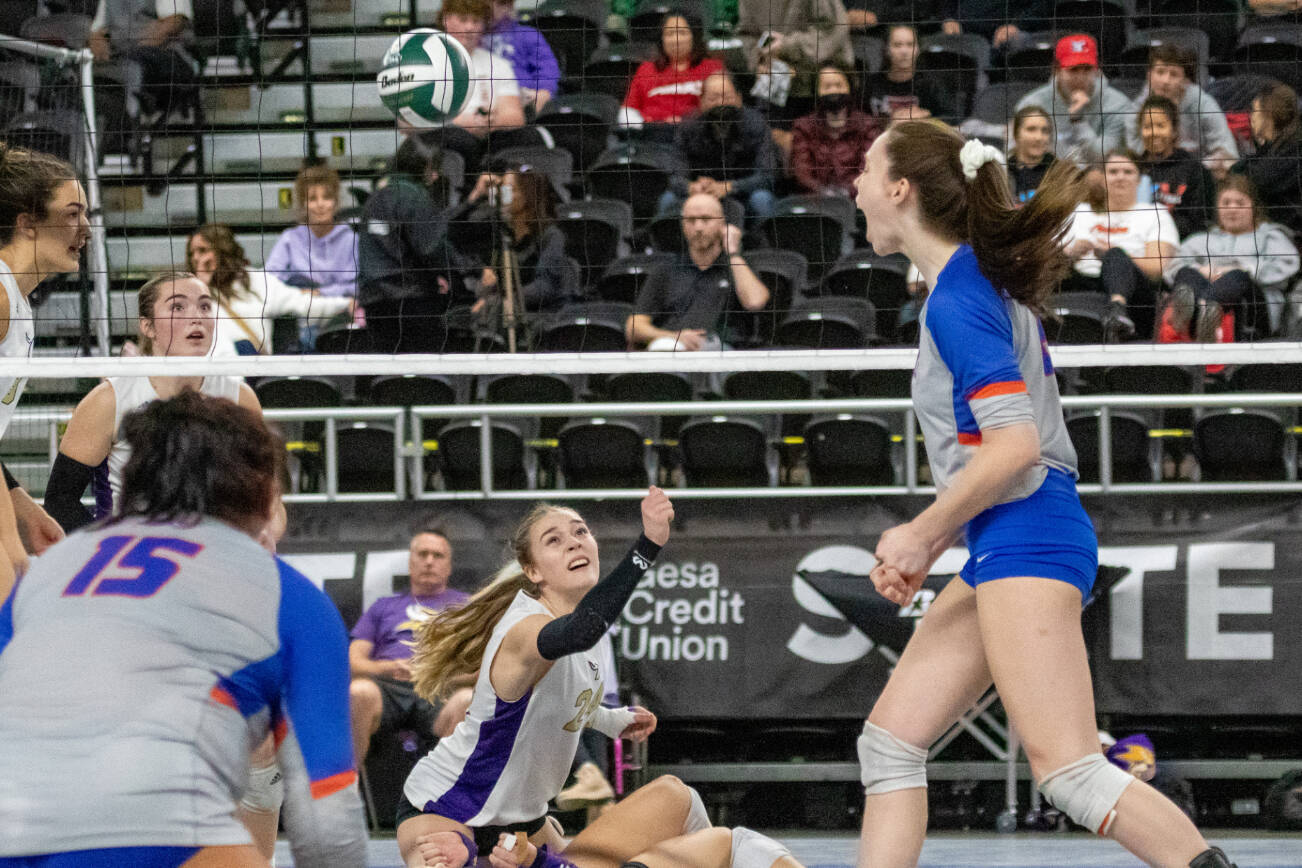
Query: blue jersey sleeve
point(973, 333)
point(7, 619)
point(322, 809)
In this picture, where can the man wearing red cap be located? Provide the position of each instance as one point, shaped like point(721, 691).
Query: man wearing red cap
point(1089, 116)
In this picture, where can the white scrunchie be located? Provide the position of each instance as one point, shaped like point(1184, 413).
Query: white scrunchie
point(976, 154)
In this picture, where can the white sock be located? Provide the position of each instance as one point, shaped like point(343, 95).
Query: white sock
point(697, 818)
point(750, 849)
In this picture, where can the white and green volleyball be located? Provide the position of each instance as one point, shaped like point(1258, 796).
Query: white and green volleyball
point(425, 77)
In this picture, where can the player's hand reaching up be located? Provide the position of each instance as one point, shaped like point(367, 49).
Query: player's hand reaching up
point(657, 512)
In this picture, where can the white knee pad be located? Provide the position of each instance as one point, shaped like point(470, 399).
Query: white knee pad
point(750, 849)
point(887, 764)
point(266, 790)
point(1087, 791)
point(697, 818)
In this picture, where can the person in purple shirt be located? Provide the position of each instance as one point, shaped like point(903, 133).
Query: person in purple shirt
point(319, 253)
point(381, 694)
point(536, 69)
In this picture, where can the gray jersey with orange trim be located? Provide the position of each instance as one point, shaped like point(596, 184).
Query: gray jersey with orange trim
point(983, 363)
point(138, 663)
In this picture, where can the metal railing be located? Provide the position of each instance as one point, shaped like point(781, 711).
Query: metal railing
point(408, 455)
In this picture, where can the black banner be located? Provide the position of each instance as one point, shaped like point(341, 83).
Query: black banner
point(729, 624)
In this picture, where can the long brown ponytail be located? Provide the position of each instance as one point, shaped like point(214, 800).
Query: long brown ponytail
point(451, 645)
point(1019, 250)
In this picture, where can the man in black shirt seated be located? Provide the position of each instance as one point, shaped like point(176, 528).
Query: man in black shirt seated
point(682, 304)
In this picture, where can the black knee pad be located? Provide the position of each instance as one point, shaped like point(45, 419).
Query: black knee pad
point(1213, 858)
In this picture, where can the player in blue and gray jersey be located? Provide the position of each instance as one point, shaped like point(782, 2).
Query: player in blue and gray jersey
point(1005, 473)
point(141, 658)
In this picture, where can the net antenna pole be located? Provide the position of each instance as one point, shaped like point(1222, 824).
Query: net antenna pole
point(94, 203)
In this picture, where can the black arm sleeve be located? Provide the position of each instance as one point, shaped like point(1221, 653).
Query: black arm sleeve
point(10, 482)
point(68, 481)
point(583, 628)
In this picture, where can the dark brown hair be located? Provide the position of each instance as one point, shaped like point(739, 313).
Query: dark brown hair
point(1159, 104)
point(481, 9)
point(232, 264)
point(147, 297)
point(1174, 55)
point(886, 45)
point(1031, 111)
point(534, 207)
point(1242, 184)
point(1019, 250)
point(1279, 102)
point(195, 456)
point(28, 181)
point(699, 45)
point(315, 176)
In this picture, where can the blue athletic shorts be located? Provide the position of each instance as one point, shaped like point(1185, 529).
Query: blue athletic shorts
point(108, 857)
point(1046, 535)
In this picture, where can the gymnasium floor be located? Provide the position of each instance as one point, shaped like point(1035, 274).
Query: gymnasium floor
point(976, 851)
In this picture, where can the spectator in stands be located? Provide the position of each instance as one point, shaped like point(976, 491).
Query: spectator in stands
point(1241, 258)
point(1089, 116)
point(536, 70)
point(682, 304)
point(1276, 168)
point(1031, 156)
point(791, 39)
point(668, 87)
point(320, 253)
point(1120, 248)
point(148, 40)
point(524, 212)
point(897, 92)
point(381, 694)
point(409, 273)
point(248, 300)
point(828, 146)
point(728, 152)
point(494, 103)
point(1179, 181)
point(1201, 125)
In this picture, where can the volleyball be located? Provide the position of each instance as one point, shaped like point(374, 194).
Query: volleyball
point(425, 77)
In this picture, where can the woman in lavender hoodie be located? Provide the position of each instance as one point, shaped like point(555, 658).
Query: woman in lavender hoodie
point(319, 253)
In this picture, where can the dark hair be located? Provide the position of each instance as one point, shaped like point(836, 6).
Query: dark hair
point(1241, 184)
point(232, 264)
point(319, 175)
point(1279, 102)
point(195, 456)
point(1161, 104)
point(534, 207)
point(1030, 111)
point(147, 297)
point(1019, 250)
point(833, 66)
point(481, 9)
point(1174, 55)
point(886, 44)
point(699, 45)
point(28, 181)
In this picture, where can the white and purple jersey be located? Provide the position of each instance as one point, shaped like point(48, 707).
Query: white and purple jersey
point(507, 760)
point(139, 662)
point(983, 363)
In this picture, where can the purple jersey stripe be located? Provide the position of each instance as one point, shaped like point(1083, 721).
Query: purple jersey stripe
point(484, 766)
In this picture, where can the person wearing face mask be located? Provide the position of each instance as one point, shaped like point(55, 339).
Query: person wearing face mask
point(1201, 127)
point(1089, 116)
point(1120, 247)
point(1242, 256)
point(1179, 181)
point(320, 253)
point(1031, 157)
point(1273, 169)
point(728, 151)
point(828, 146)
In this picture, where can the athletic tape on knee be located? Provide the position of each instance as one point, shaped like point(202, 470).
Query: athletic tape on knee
point(750, 849)
point(697, 818)
point(1087, 791)
point(887, 764)
point(266, 790)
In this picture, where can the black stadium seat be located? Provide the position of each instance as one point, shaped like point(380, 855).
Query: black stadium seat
point(572, 29)
point(725, 451)
point(365, 457)
point(591, 327)
point(848, 449)
point(623, 278)
point(1134, 456)
point(595, 230)
point(829, 323)
point(1237, 444)
point(458, 456)
point(580, 123)
point(636, 173)
point(603, 453)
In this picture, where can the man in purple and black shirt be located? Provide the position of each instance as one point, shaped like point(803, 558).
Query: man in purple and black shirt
point(381, 692)
point(536, 69)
